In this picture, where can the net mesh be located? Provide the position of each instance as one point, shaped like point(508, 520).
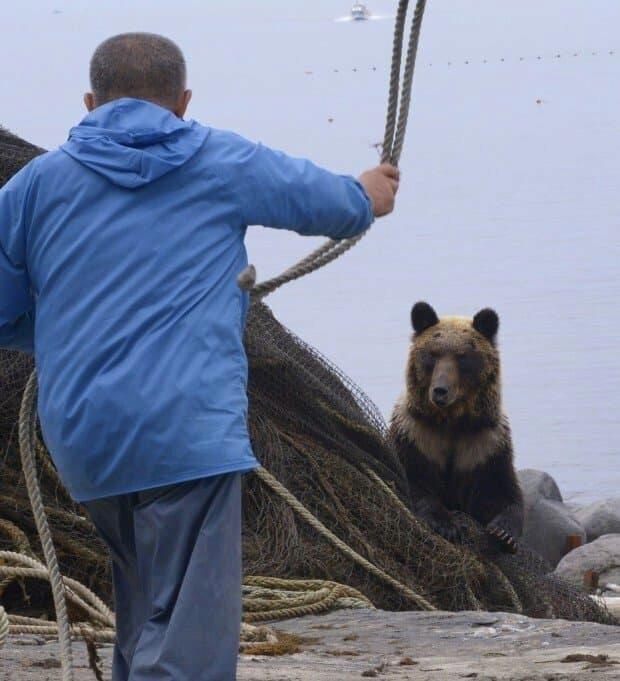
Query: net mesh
point(324, 440)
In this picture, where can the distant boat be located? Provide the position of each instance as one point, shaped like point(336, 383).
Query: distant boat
point(359, 12)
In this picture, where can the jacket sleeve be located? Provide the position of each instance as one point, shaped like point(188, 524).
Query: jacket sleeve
point(276, 190)
point(17, 303)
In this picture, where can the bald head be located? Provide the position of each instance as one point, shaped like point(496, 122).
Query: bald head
point(140, 65)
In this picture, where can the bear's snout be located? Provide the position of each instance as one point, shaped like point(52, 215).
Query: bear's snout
point(444, 386)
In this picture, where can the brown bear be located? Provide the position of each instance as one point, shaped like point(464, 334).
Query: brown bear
point(449, 430)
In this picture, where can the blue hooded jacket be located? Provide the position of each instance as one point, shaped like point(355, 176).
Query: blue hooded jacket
point(119, 254)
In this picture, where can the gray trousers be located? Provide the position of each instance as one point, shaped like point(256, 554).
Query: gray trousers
point(176, 561)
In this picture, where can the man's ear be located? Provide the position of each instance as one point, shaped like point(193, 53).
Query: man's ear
point(183, 103)
point(89, 101)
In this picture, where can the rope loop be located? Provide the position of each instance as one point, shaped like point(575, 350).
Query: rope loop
point(399, 100)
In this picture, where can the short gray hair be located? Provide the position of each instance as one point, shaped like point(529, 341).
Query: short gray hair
point(140, 65)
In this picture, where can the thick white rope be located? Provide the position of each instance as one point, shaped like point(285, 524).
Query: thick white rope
point(27, 429)
point(4, 626)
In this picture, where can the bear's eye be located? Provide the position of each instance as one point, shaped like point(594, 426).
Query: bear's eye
point(469, 362)
point(428, 361)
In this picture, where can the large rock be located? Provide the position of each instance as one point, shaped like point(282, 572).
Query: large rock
point(548, 522)
point(602, 556)
point(602, 517)
point(538, 484)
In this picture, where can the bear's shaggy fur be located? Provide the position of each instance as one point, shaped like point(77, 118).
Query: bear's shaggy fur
point(449, 431)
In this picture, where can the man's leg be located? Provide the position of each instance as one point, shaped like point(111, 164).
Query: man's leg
point(113, 518)
point(188, 543)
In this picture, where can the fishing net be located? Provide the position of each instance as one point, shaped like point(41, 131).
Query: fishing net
point(324, 440)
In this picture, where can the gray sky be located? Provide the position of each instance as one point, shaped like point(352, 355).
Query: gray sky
point(509, 195)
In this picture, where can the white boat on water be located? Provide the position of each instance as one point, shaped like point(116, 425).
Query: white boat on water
point(359, 12)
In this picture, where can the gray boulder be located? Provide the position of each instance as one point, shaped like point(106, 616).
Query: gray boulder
point(548, 524)
point(548, 521)
point(602, 517)
point(538, 484)
point(602, 556)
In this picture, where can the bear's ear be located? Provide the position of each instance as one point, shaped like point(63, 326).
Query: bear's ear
point(423, 317)
point(486, 322)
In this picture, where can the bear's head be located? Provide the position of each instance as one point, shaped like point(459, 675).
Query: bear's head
point(453, 372)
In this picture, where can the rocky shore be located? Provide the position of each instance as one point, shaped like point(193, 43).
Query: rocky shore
point(357, 644)
point(582, 544)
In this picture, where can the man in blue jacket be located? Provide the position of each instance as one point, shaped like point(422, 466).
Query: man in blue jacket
point(119, 255)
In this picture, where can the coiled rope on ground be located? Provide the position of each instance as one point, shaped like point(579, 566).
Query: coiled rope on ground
point(264, 599)
point(322, 596)
point(272, 598)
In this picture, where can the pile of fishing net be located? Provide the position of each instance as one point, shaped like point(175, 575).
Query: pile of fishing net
point(324, 441)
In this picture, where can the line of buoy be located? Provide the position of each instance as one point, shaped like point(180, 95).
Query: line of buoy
point(469, 62)
point(377, 145)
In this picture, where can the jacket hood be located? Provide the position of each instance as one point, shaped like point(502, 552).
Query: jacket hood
point(132, 142)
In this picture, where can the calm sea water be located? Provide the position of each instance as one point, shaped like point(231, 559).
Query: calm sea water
point(509, 195)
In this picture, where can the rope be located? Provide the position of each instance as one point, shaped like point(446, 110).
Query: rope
point(4, 626)
point(27, 428)
point(76, 592)
point(395, 129)
point(327, 534)
point(279, 584)
point(392, 105)
point(271, 598)
point(391, 153)
point(17, 535)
